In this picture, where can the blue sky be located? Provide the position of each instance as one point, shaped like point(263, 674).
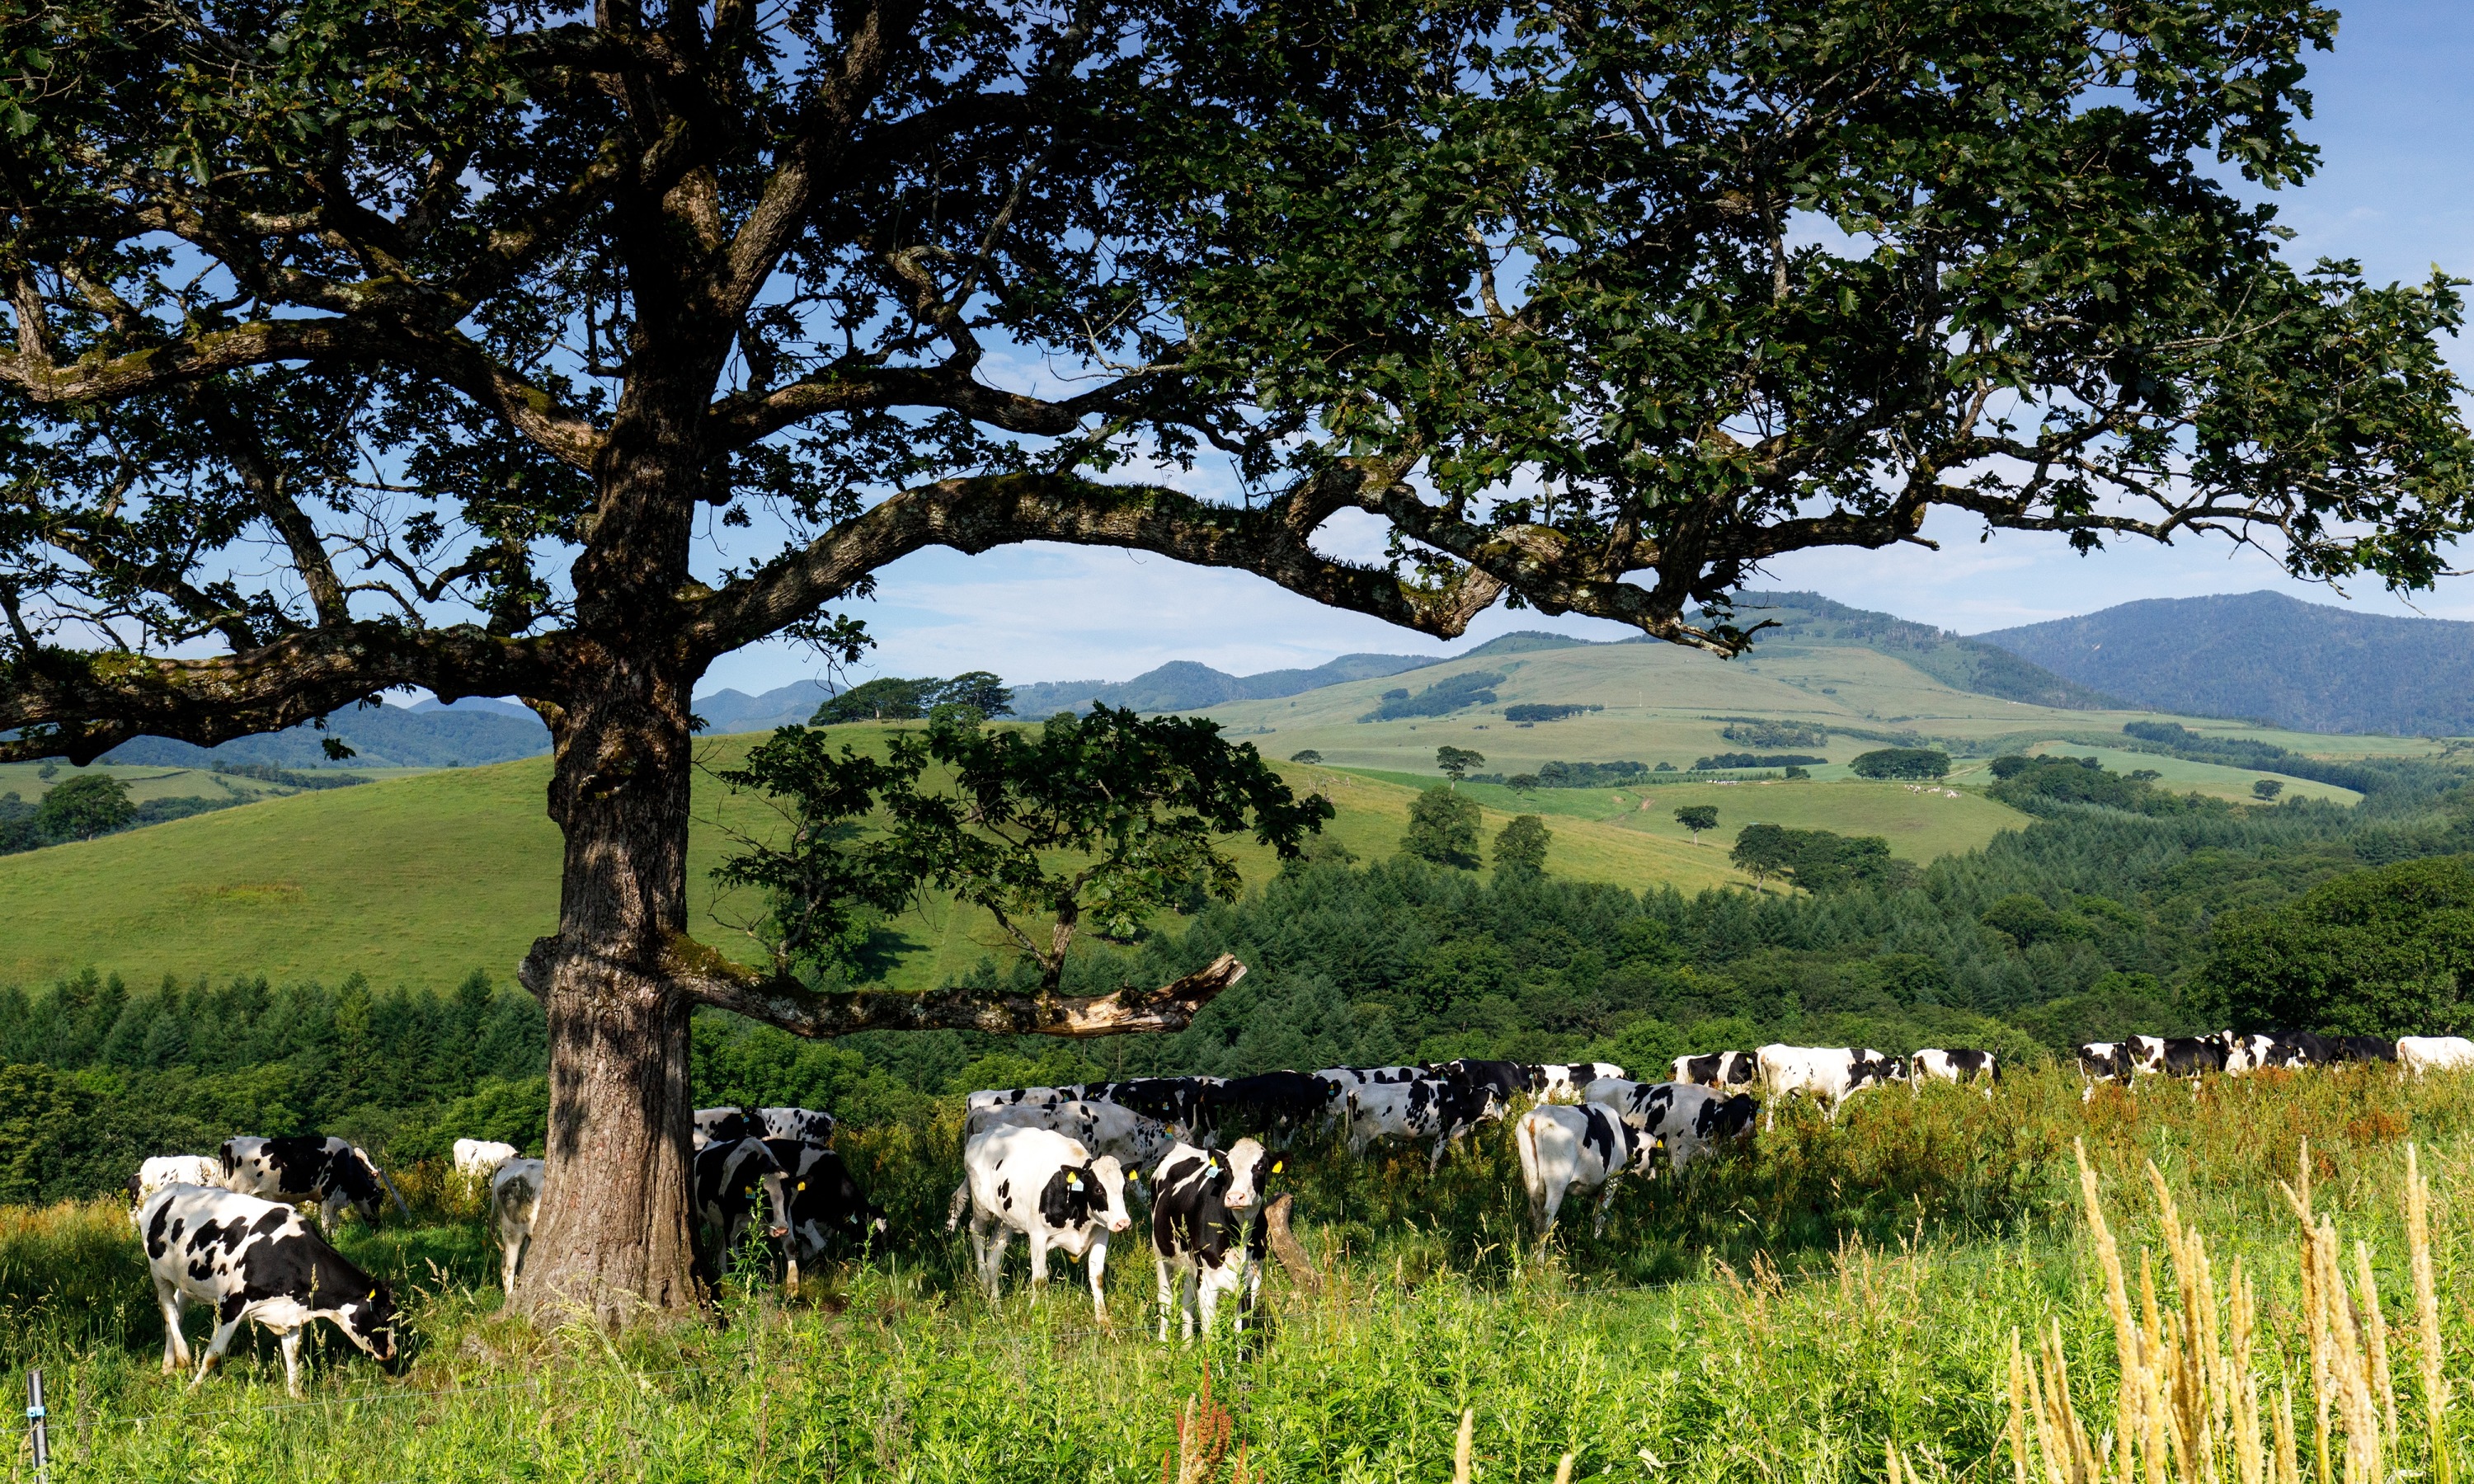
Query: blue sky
point(2395, 190)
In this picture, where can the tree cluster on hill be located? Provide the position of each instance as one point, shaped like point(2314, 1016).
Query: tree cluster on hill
point(1901, 762)
point(1580, 775)
point(1537, 711)
point(976, 693)
point(1818, 860)
point(1451, 693)
point(2038, 785)
point(1765, 733)
point(1721, 761)
point(89, 806)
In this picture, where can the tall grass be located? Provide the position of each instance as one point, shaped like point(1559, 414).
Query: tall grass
point(1919, 1291)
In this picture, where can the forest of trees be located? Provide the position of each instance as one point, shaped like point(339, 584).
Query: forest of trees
point(2096, 921)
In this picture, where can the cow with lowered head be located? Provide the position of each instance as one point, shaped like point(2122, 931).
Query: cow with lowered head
point(1049, 1188)
point(255, 1261)
point(305, 1167)
point(1200, 1198)
point(825, 1204)
point(1689, 1121)
point(1565, 1149)
point(731, 1180)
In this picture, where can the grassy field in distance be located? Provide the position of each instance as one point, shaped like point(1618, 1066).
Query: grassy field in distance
point(2213, 779)
point(26, 780)
point(422, 879)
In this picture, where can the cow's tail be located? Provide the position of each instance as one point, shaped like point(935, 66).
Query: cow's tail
point(224, 1156)
point(1524, 1136)
point(960, 1203)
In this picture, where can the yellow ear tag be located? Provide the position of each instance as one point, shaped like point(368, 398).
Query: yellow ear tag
point(1275, 1166)
point(374, 1293)
point(802, 1185)
point(1072, 1182)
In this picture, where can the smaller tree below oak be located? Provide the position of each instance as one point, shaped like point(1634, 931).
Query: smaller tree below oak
point(87, 805)
point(1442, 828)
point(2266, 790)
point(1101, 821)
point(1455, 762)
point(1521, 849)
point(1696, 818)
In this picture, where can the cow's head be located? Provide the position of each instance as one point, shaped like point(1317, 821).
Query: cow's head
point(1732, 1118)
point(1246, 1164)
point(368, 1321)
point(351, 1172)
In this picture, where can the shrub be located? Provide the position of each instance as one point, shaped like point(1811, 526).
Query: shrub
point(1442, 828)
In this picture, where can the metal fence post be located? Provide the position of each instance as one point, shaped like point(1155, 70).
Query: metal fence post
point(35, 1425)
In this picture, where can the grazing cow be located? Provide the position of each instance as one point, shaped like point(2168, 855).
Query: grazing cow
point(2308, 1048)
point(806, 1125)
point(2103, 1060)
point(1198, 1200)
point(1829, 1075)
point(2419, 1054)
point(1049, 1188)
point(514, 1200)
point(305, 1167)
point(1180, 1102)
point(1961, 1067)
point(1562, 1082)
point(721, 1126)
point(1689, 1120)
point(1021, 1098)
point(1565, 1148)
point(477, 1158)
point(1429, 1108)
point(1717, 1069)
point(1269, 1103)
point(257, 1262)
point(2179, 1056)
point(1104, 1127)
point(172, 1169)
point(2250, 1053)
point(728, 1179)
point(1506, 1080)
point(2365, 1048)
point(824, 1203)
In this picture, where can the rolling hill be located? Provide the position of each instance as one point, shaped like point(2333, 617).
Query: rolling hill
point(2307, 667)
point(420, 880)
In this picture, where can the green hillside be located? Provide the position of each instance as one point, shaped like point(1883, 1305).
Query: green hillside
point(422, 879)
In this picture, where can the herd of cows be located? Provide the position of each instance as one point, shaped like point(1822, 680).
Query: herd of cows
point(1059, 1166)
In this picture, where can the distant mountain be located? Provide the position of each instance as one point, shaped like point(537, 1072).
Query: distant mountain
point(427, 736)
point(1183, 686)
point(783, 706)
point(1962, 664)
point(2261, 656)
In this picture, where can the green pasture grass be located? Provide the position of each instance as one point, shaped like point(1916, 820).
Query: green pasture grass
point(1781, 1314)
point(422, 879)
point(26, 780)
point(2215, 780)
point(1920, 827)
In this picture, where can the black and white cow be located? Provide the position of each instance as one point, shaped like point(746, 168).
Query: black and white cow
point(721, 1126)
point(2365, 1048)
point(2178, 1056)
point(804, 1125)
point(824, 1203)
point(172, 1169)
point(1049, 1188)
point(1350, 1078)
point(1959, 1066)
point(1564, 1148)
point(1829, 1075)
point(1687, 1121)
point(1717, 1069)
point(1102, 1128)
point(1506, 1080)
point(2252, 1052)
point(729, 1180)
point(304, 1167)
point(2103, 1060)
point(1199, 1198)
point(1429, 1108)
point(255, 1261)
point(1021, 1098)
point(1182, 1103)
point(514, 1201)
point(1269, 1103)
point(1562, 1082)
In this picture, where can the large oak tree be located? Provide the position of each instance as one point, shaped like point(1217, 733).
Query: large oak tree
point(502, 348)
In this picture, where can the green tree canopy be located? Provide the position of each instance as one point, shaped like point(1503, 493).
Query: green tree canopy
point(1521, 846)
point(891, 698)
point(1442, 828)
point(1901, 762)
point(1696, 818)
point(2381, 952)
point(1099, 821)
point(85, 806)
point(1455, 762)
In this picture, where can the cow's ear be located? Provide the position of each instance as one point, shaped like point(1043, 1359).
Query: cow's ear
point(1277, 1165)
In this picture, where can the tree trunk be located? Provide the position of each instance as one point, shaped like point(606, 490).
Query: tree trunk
point(613, 1236)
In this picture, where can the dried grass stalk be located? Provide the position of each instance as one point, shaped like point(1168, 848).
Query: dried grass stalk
point(2426, 1313)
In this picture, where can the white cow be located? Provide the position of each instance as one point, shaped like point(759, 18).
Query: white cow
point(1715, 1069)
point(2419, 1054)
point(1829, 1075)
point(514, 1200)
point(1424, 1109)
point(477, 1158)
point(1960, 1066)
point(1562, 1082)
point(172, 1169)
point(1199, 1198)
point(804, 1125)
point(1565, 1148)
point(1687, 1121)
point(1049, 1188)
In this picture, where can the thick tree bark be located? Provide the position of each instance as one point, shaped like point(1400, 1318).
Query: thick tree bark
point(613, 1238)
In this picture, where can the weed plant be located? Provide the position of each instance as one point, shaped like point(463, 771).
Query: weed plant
point(1838, 1301)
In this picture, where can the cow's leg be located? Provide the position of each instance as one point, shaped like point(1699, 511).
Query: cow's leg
point(227, 1323)
point(1097, 1260)
point(1037, 1238)
point(176, 1347)
point(1166, 1294)
point(1554, 1203)
point(1206, 1298)
point(992, 1238)
point(1606, 1198)
point(289, 1342)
